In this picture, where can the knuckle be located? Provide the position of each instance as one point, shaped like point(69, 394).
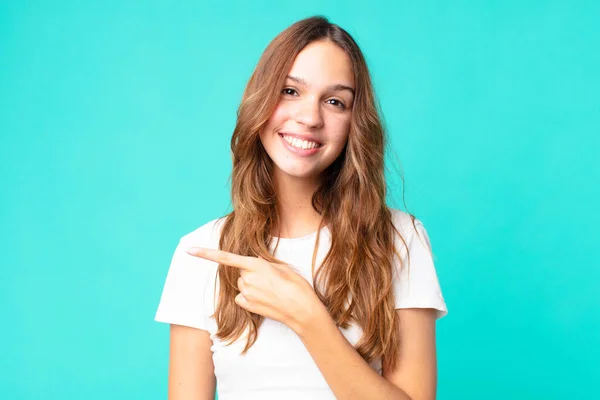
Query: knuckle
point(249, 280)
point(248, 292)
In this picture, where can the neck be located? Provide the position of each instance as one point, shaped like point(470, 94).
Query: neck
point(297, 217)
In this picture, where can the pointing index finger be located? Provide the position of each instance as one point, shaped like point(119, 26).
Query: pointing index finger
point(222, 257)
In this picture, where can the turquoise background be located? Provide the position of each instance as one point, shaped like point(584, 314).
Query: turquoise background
point(115, 121)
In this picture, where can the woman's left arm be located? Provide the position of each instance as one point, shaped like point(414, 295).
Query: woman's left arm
point(351, 377)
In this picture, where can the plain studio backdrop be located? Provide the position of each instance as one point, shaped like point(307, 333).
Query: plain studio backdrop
point(115, 121)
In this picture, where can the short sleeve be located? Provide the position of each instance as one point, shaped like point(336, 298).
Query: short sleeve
point(184, 296)
point(416, 284)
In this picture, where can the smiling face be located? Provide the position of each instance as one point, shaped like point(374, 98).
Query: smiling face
point(309, 127)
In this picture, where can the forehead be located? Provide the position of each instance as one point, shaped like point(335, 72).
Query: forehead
point(323, 63)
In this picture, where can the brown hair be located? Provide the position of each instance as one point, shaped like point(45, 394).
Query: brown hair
point(351, 199)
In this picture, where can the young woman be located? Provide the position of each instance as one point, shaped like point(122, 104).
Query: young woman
point(311, 288)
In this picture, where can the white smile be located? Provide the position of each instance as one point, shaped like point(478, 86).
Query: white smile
point(300, 144)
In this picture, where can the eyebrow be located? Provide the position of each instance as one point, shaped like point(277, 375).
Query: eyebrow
point(335, 87)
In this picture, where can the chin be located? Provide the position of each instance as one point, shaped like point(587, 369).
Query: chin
point(294, 173)
point(299, 175)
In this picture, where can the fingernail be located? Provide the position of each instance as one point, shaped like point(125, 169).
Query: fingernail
point(193, 250)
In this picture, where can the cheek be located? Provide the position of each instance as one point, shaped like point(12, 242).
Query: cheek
point(340, 129)
point(279, 116)
point(273, 122)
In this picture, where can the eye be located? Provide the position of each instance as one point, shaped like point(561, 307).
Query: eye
point(289, 91)
point(337, 103)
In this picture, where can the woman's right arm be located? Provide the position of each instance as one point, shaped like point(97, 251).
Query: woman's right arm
point(191, 369)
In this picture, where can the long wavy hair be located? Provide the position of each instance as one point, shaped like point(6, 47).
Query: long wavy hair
point(351, 199)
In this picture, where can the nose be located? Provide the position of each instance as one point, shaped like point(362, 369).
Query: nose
point(309, 113)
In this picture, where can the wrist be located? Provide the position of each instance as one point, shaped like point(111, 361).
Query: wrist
point(311, 316)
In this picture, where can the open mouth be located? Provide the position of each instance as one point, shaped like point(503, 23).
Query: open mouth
point(300, 144)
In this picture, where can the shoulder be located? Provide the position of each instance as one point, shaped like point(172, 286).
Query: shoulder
point(416, 283)
point(407, 224)
point(186, 297)
point(401, 219)
point(206, 235)
point(410, 228)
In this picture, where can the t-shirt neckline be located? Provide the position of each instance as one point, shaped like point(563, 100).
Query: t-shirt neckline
point(308, 236)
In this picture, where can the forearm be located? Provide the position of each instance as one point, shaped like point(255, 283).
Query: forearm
point(349, 376)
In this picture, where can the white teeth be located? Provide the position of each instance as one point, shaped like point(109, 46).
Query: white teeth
point(301, 144)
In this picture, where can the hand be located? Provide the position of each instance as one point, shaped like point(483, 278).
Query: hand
point(272, 290)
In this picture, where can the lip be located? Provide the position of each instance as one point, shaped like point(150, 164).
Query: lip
point(301, 137)
point(300, 152)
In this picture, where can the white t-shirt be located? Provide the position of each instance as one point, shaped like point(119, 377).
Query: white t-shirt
point(278, 366)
